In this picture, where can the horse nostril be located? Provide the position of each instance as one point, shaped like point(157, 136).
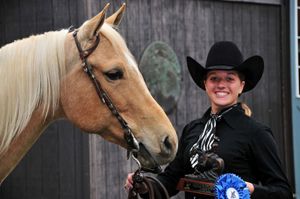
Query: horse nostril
point(166, 146)
point(167, 143)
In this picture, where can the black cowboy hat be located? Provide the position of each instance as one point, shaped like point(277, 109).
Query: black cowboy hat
point(225, 55)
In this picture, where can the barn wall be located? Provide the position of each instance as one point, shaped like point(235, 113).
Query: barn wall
point(57, 166)
point(190, 27)
point(65, 163)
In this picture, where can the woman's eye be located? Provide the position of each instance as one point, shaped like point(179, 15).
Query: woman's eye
point(114, 75)
point(229, 79)
point(214, 79)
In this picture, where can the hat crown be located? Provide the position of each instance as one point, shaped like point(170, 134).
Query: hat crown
point(224, 53)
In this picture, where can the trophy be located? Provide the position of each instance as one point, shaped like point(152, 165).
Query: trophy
point(207, 179)
point(207, 170)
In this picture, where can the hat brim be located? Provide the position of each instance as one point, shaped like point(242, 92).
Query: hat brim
point(197, 71)
point(252, 68)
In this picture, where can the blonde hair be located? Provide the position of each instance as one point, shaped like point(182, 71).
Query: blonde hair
point(246, 108)
point(30, 71)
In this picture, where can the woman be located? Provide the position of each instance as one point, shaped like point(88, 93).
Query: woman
point(246, 146)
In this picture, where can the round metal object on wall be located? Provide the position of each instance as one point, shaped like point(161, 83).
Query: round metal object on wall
point(162, 73)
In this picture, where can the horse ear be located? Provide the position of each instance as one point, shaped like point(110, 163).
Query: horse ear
point(116, 18)
point(92, 26)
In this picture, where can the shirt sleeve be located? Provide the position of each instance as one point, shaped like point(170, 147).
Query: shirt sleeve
point(273, 182)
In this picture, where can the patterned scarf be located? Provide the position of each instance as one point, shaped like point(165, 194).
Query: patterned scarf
point(208, 136)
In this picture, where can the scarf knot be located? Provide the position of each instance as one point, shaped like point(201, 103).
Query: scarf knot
point(207, 138)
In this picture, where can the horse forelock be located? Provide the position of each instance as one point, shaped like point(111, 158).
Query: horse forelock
point(30, 71)
point(118, 42)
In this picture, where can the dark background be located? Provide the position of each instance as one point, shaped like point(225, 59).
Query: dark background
point(66, 163)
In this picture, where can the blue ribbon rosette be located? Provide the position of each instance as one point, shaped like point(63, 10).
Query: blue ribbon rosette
point(231, 186)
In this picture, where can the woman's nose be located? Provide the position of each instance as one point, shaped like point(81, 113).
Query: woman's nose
point(221, 83)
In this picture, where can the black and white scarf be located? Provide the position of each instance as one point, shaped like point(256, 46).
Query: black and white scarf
point(208, 136)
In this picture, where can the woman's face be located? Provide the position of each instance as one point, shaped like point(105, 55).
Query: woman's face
point(223, 88)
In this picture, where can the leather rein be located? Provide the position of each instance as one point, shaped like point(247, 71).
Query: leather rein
point(131, 141)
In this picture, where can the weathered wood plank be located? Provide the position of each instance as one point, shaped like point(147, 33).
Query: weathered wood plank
point(97, 168)
point(276, 101)
point(50, 164)
point(11, 20)
point(176, 40)
point(2, 24)
point(73, 14)
point(285, 85)
point(255, 27)
point(60, 14)
point(275, 2)
point(246, 43)
point(237, 30)
point(219, 21)
point(228, 22)
point(81, 164)
point(258, 39)
point(66, 160)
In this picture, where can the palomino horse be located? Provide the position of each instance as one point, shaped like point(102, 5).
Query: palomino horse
point(87, 76)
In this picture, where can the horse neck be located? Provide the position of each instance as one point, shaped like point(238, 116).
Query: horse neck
point(21, 144)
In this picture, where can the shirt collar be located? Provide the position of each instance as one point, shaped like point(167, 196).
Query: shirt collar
point(232, 117)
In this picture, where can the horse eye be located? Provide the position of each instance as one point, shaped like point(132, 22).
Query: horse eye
point(114, 74)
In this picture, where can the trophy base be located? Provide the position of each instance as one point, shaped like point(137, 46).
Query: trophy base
point(196, 186)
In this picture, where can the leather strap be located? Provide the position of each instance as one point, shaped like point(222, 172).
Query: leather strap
point(131, 141)
point(147, 187)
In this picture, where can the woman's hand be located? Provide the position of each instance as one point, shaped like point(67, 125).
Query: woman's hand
point(250, 187)
point(129, 182)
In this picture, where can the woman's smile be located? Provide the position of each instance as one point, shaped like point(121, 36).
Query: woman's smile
point(221, 94)
point(223, 88)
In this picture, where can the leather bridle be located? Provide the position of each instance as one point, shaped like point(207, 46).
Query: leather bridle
point(131, 141)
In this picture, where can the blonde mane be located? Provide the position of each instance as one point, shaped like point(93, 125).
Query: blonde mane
point(30, 73)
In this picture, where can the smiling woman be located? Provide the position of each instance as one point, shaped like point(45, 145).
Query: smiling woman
point(223, 88)
point(225, 139)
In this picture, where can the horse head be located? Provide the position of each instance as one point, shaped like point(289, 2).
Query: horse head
point(117, 73)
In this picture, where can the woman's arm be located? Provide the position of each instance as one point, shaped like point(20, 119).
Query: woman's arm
point(274, 183)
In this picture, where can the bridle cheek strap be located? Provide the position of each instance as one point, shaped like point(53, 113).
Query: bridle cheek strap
point(132, 143)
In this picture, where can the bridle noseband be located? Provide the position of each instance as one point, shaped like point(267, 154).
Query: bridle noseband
point(131, 141)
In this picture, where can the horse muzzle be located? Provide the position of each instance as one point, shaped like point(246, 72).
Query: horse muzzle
point(145, 160)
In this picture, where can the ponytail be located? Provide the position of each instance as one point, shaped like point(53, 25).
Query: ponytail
point(246, 108)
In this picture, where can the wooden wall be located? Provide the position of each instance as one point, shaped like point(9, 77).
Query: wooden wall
point(190, 27)
point(58, 164)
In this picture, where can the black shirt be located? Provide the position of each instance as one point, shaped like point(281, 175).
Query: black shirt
point(247, 148)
